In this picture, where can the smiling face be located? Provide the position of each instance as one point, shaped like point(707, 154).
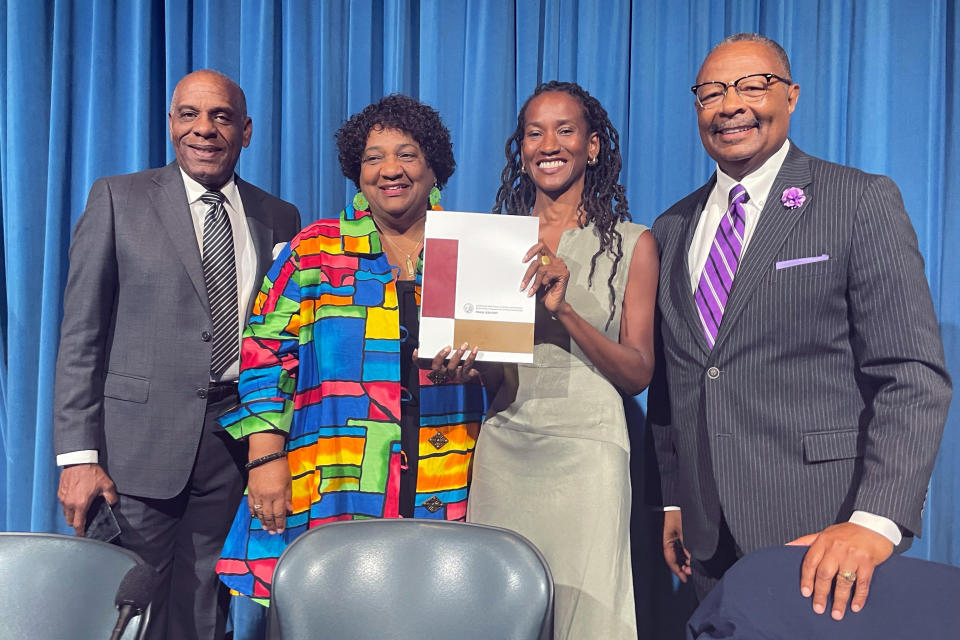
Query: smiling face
point(395, 177)
point(557, 143)
point(741, 135)
point(208, 127)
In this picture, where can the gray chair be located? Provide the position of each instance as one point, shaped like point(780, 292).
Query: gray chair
point(54, 587)
point(411, 579)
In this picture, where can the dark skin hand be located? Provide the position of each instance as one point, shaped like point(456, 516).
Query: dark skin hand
point(675, 554)
point(628, 363)
point(841, 548)
point(79, 485)
point(269, 485)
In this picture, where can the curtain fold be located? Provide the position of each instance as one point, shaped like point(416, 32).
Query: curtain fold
point(85, 88)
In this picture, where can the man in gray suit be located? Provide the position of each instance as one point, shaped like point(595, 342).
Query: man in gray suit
point(801, 389)
point(163, 267)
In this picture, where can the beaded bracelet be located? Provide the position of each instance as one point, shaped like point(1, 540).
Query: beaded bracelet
point(265, 459)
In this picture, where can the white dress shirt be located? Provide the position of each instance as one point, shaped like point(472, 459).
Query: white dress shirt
point(758, 185)
point(246, 259)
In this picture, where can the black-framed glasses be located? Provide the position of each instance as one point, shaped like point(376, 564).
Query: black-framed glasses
point(751, 88)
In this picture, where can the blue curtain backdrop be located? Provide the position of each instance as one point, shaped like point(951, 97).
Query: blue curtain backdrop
point(85, 85)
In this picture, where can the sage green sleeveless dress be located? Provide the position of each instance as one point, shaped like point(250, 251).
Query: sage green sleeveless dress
point(553, 459)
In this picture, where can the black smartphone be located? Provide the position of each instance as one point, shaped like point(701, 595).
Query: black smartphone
point(101, 522)
point(680, 555)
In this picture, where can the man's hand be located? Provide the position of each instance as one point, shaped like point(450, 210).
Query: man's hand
point(842, 551)
point(676, 555)
point(79, 485)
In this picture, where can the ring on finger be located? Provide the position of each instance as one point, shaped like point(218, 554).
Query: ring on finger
point(849, 576)
point(438, 376)
point(544, 260)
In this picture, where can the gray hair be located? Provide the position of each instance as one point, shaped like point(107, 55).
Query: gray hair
point(756, 37)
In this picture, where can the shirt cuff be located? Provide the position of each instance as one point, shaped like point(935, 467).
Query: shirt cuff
point(87, 456)
point(884, 526)
point(667, 508)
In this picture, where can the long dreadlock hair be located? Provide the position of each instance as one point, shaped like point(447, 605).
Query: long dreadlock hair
point(601, 188)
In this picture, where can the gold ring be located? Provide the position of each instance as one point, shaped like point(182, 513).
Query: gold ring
point(849, 576)
point(544, 260)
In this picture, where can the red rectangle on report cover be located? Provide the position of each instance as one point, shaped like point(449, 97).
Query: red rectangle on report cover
point(439, 278)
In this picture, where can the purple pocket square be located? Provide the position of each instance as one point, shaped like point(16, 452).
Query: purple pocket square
point(796, 262)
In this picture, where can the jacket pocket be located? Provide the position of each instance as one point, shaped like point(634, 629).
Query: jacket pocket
point(124, 387)
point(821, 446)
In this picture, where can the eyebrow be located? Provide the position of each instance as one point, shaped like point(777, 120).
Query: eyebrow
point(217, 109)
point(559, 122)
point(377, 147)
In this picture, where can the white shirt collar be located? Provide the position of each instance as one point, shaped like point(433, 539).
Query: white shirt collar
point(195, 190)
point(759, 182)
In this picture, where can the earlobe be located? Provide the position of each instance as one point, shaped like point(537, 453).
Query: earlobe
point(792, 97)
point(247, 131)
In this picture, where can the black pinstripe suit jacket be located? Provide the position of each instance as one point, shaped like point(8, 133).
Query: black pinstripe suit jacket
point(826, 391)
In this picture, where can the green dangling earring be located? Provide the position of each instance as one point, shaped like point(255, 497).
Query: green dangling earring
point(360, 202)
point(434, 196)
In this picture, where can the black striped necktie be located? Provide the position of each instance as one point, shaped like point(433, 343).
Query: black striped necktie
point(220, 275)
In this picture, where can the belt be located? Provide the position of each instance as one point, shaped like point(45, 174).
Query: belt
point(217, 391)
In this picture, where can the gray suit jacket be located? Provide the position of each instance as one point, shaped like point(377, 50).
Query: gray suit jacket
point(134, 344)
point(826, 391)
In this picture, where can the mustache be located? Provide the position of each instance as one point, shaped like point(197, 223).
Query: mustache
point(733, 124)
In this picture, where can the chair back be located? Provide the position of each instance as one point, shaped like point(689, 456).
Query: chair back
point(411, 579)
point(54, 586)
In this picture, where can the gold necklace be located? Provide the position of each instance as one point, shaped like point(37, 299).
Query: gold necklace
point(409, 266)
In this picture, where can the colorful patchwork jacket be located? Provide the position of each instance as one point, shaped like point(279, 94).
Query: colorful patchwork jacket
point(320, 362)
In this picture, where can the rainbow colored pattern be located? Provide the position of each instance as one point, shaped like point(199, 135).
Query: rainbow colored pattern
point(320, 362)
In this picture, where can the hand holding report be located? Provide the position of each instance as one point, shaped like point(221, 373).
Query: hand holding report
point(472, 270)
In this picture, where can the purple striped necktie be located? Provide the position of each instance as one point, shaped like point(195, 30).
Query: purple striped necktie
point(716, 279)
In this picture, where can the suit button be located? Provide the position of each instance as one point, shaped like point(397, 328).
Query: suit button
point(205, 336)
point(202, 393)
point(713, 373)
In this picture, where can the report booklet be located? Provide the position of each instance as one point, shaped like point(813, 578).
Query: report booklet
point(471, 285)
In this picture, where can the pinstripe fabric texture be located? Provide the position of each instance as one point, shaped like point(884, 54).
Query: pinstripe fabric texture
point(826, 390)
point(220, 276)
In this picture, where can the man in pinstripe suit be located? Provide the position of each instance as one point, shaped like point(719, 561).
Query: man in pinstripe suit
point(801, 389)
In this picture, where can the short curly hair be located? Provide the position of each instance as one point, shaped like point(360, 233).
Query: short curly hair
point(397, 111)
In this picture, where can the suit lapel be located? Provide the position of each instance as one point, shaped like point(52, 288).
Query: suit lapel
point(261, 232)
point(680, 272)
point(775, 224)
point(169, 197)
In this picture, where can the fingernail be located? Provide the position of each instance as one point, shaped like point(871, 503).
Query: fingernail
point(464, 346)
point(819, 608)
point(805, 591)
point(836, 615)
point(855, 607)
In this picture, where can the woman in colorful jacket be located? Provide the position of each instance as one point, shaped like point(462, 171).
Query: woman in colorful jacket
point(340, 420)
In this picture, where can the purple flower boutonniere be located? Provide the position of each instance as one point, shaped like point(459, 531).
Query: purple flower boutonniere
point(793, 197)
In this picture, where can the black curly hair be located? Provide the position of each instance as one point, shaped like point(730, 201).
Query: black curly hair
point(601, 188)
point(407, 114)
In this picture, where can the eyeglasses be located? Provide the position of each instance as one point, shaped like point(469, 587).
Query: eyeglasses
point(752, 88)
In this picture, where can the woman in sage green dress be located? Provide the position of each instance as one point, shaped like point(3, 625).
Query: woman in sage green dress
point(552, 459)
